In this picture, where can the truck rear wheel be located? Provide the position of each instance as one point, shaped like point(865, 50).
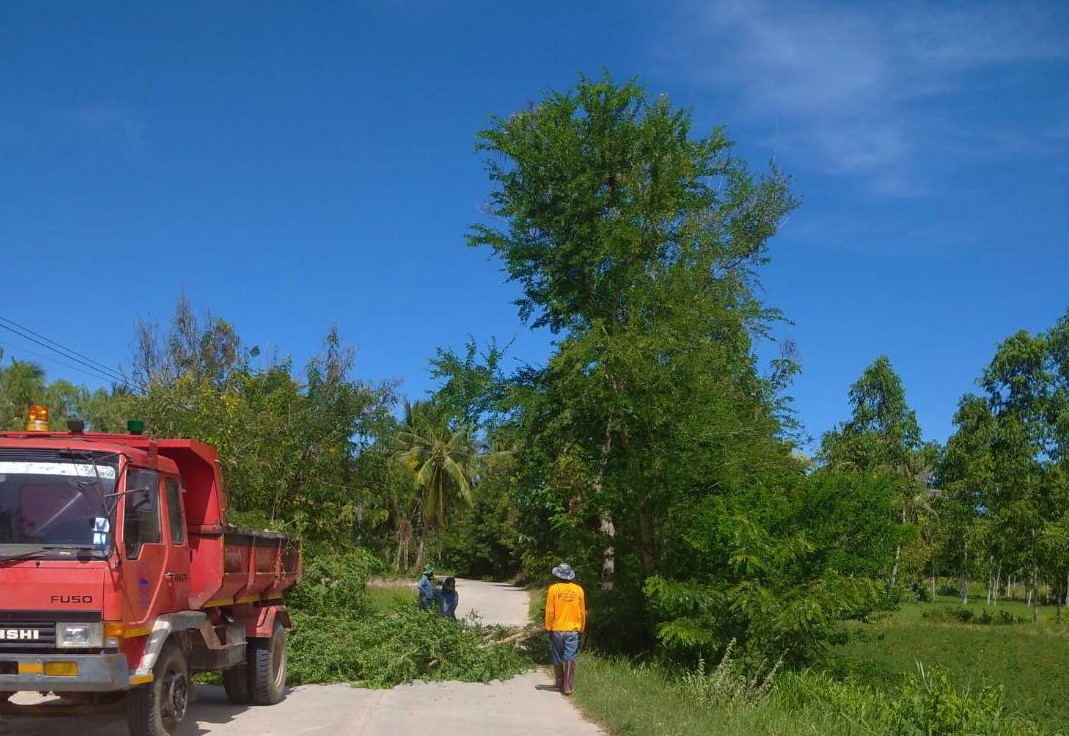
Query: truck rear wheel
point(267, 667)
point(157, 709)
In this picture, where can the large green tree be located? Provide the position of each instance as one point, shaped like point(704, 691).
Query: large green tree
point(882, 437)
point(650, 438)
point(882, 433)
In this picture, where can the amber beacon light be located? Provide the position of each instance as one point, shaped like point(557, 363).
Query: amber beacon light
point(37, 419)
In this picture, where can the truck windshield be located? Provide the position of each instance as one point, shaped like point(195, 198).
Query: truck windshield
point(55, 499)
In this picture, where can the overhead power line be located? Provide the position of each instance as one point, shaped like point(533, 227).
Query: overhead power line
point(98, 368)
point(52, 359)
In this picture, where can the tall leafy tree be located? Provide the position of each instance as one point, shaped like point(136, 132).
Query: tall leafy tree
point(650, 440)
point(882, 437)
point(882, 433)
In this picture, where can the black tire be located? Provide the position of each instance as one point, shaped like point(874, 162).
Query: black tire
point(267, 667)
point(237, 686)
point(157, 709)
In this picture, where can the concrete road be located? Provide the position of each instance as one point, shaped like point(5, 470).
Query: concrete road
point(519, 707)
point(493, 603)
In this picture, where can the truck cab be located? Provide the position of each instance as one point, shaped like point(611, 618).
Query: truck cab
point(120, 574)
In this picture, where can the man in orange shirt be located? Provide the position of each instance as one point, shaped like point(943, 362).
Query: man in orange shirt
point(565, 621)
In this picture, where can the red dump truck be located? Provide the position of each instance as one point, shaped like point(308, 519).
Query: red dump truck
point(119, 574)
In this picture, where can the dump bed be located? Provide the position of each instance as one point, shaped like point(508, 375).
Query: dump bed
point(241, 566)
point(229, 565)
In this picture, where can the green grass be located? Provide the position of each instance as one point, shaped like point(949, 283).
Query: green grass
point(1028, 660)
point(642, 700)
point(978, 678)
point(390, 596)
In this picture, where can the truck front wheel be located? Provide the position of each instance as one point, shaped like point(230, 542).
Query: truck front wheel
point(157, 708)
point(267, 667)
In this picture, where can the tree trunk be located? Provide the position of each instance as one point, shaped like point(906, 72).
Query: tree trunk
point(608, 555)
point(1058, 598)
point(965, 576)
point(646, 546)
point(606, 526)
point(422, 545)
point(404, 536)
point(991, 582)
point(1034, 594)
point(933, 578)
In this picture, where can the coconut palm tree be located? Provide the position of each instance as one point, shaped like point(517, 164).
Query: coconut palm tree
point(444, 459)
point(21, 383)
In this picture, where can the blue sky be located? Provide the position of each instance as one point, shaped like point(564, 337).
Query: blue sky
point(292, 166)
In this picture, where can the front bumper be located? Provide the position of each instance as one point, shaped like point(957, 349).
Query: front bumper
point(96, 673)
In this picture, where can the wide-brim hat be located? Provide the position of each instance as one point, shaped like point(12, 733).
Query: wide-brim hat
point(428, 570)
point(564, 571)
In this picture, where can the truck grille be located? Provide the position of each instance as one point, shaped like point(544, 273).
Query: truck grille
point(27, 635)
point(35, 631)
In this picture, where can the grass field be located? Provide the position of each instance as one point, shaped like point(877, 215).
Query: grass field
point(1030, 661)
point(863, 681)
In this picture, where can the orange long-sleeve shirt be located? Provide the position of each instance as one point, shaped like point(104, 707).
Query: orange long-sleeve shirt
point(565, 608)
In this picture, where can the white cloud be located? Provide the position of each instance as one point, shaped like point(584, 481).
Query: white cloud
point(863, 88)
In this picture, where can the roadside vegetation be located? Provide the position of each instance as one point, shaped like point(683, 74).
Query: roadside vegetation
point(881, 584)
point(645, 700)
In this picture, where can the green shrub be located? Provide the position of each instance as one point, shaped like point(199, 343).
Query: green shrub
point(334, 582)
point(930, 704)
point(964, 615)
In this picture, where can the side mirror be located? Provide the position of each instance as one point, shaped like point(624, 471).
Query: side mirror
point(142, 501)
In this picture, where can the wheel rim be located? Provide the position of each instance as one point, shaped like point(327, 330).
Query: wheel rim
point(174, 698)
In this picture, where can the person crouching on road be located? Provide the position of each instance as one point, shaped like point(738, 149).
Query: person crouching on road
point(425, 588)
point(450, 598)
point(565, 621)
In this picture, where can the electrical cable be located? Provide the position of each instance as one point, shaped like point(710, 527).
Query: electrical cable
point(56, 361)
point(62, 349)
point(48, 344)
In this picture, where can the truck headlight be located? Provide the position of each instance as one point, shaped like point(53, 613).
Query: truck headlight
point(79, 635)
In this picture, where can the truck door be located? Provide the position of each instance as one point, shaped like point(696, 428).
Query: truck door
point(146, 553)
point(176, 576)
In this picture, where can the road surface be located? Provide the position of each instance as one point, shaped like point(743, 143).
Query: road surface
point(521, 706)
